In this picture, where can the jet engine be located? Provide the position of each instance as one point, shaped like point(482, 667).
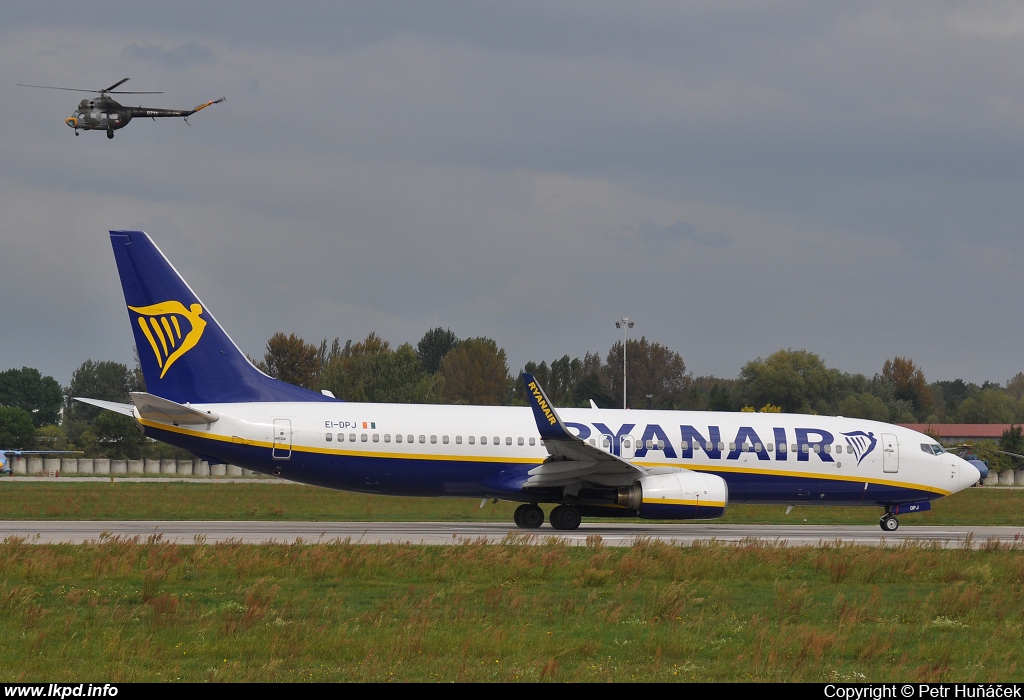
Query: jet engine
point(681, 495)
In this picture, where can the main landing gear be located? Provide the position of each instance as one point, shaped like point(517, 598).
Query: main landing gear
point(529, 516)
point(888, 522)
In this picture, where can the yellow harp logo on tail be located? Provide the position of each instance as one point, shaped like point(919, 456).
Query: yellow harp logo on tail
point(162, 324)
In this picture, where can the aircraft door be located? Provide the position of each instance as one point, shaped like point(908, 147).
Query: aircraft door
point(890, 453)
point(282, 438)
point(627, 447)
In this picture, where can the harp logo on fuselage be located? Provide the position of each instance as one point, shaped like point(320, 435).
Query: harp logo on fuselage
point(171, 329)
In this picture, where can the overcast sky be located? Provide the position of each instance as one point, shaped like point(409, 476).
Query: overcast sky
point(735, 177)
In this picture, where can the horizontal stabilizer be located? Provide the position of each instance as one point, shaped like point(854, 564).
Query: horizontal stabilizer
point(155, 408)
point(122, 408)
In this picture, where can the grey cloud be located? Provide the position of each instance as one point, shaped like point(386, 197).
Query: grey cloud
point(186, 54)
point(683, 231)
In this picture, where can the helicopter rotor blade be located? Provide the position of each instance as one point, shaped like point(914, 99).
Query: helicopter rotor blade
point(1011, 454)
point(119, 82)
point(100, 92)
point(51, 87)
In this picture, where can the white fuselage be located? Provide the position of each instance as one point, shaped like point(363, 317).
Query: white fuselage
point(466, 450)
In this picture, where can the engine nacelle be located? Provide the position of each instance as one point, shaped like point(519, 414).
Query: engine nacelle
point(683, 495)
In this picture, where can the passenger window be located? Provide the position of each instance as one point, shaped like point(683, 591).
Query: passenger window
point(828, 449)
point(592, 441)
point(497, 440)
point(363, 437)
point(508, 441)
point(398, 438)
point(423, 439)
point(329, 437)
point(732, 446)
point(483, 439)
point(839, 449)
point(661, 444)
point(376, 437)
point(721, 446)
point(351, 437)
point(817, 449)
point(387, 437)
point(433, 439)
point(757, 447)
point(782, 447)
point(805, 448)
point(458, 439)
point(341, 437)
point(533, 441)
point(709, 447)
point(793, 448)
point(745, 447)
point(521, 441)
point(472, 439)
point(409, 438)
point(685, 445)
point(444, 439)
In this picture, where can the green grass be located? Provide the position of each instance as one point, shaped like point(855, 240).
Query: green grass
point(127, 611)
point(120, 500)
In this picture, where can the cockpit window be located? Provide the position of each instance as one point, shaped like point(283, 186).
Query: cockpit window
point(932, 449)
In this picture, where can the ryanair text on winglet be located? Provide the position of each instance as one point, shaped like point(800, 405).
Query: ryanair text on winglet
point(542, 403)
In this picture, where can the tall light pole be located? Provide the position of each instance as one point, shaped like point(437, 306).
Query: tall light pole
point(625, 324)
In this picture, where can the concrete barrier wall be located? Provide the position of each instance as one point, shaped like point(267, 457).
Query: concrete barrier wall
point(40, 466)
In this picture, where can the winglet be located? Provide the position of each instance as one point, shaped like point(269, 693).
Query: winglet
point(549, 424)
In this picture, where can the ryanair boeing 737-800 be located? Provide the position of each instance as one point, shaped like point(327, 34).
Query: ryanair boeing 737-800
point(205, 396)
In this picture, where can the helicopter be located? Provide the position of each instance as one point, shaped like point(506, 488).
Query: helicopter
point(5, 455)
point(104, 113)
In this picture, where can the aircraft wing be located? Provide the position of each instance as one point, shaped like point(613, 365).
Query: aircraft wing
point(570, 459)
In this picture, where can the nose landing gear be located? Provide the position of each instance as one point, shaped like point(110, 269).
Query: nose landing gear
point(110, 133)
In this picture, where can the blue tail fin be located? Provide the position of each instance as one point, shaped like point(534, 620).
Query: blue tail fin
point(185, 355)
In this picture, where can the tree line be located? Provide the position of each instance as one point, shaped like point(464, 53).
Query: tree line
point(37, 412)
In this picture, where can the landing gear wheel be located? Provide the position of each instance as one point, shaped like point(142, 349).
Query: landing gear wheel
point(110, 133)
point(529, 516)
point(888, 522)
point(565, 518)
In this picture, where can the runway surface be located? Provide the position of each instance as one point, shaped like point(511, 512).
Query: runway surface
point(612, 534)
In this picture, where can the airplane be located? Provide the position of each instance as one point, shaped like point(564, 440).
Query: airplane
point(105, 114)
point(5, 455)
point(205, 396)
